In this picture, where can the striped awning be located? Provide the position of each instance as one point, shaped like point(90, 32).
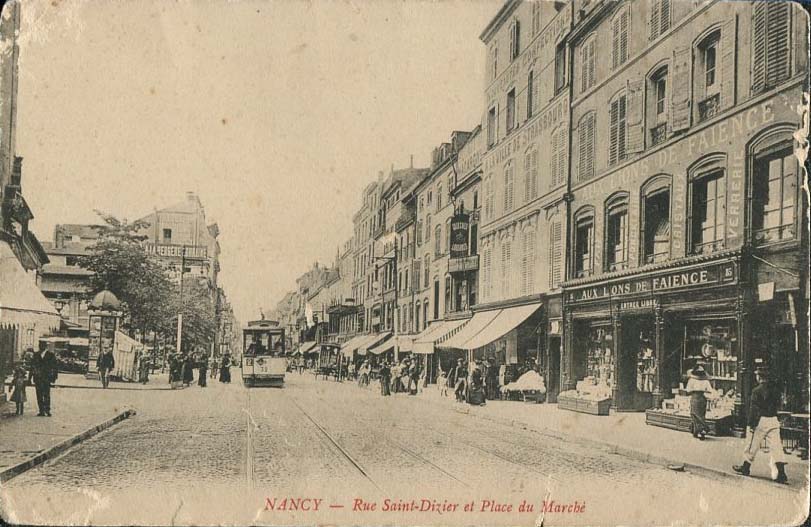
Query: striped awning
point(437, 333)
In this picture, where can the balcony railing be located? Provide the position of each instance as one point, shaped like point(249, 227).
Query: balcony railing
point(657, 257)
point(774, 234)
point(709, 107)
point(708, 247)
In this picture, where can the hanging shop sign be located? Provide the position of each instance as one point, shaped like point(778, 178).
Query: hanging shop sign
point(709, 275)
point(460, 228)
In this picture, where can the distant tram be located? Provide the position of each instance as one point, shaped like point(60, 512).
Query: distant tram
point(263, 360)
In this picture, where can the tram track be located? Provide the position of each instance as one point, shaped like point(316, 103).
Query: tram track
point(388, 440)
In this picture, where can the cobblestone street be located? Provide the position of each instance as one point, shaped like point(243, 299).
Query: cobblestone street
point(214, 452)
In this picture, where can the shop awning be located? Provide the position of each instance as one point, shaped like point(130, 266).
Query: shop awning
point(479, 321)
point(349, 347)
point(437, 333)
point(21, 301)
point(79, 342)
point(377, 344)
point(406, 343)
point(307, 347)
point(507, 320)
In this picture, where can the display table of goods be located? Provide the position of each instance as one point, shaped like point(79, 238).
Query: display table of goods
point(675, 414)
point(589, 397)
point(529, 388)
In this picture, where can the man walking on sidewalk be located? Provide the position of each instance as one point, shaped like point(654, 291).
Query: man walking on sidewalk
point(763, 425)
point(105, 364)
point(43, 373)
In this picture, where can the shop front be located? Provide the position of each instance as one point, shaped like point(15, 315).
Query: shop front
point(630, 341)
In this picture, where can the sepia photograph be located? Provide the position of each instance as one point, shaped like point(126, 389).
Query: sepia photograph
point(404, 262)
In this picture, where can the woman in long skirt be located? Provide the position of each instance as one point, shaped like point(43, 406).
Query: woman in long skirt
point(698, 386)
point(225, 369)
point(385, 379)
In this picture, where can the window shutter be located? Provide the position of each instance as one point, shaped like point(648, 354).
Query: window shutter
point(534, 174)
point(728, 40)
point(758, 46)
point(524, 264)
point(653, 24)
point(517, 38)
point(680, 90)
point(591, 62)
point(561, 166)
point(586, 148)
point(635, 116)
point(664, 16)
point(529, 251)
point(615, 42)
point(778, 31)
point(553, 160)
point(527, 176)
point(624, 36)
point(554, 254)
point(613, 138)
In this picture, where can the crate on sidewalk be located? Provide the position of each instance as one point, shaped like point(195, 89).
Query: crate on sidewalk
point(583, 405)
point(683, 423)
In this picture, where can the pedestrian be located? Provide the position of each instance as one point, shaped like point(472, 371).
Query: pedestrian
point(202, 375)
point(698, 386)
point(491, 379)
point(43, 375)
point(385, 379)
point(212, 367)
point(476, 395)
point(225, 369)
point(188, 370)
point(105, 364)
point(143, 369)
point(413, 378)
point(461, 381)
point(763, 426)
point(18, 383)
point(442, 382)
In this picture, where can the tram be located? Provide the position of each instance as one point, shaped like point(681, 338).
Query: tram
point(263, 360)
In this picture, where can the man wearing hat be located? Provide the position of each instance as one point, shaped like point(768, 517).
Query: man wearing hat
point(763, 425)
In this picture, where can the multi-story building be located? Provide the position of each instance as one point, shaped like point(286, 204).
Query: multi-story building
point(686, 241)
point(64, 282)
point(523, 210)
point(25, 314)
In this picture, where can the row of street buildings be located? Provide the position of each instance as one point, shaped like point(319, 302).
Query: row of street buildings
point(631, 204)
point(44, 292)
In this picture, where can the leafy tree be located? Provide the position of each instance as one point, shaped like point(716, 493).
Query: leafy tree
point(199, 314)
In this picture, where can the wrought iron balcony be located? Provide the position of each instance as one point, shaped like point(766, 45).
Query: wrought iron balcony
point(709, 107)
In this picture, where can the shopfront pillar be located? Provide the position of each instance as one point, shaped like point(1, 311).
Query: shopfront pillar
point(567, 376)
point(616, 389)
point(744, 383)
point(659, 390)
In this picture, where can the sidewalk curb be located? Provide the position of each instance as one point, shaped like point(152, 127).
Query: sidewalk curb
point(59, 448)
point(612, 448)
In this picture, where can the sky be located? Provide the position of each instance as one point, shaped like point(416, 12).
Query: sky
point(277, 114)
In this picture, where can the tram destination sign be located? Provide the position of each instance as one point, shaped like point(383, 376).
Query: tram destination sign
point(710, 275)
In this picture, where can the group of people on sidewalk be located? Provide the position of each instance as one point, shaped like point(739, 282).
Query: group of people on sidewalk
point(182, 366)
point(405, 376)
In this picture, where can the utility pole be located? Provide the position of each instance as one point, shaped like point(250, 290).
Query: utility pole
point(180, 313)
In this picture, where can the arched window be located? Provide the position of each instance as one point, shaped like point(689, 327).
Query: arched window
point(583, 243)
point(448, 307)
point(417, 316)
point(708, 205)
point(585, 136)
point(708, 78)
point(774, 187)
point(616, 232)
point(655, 229)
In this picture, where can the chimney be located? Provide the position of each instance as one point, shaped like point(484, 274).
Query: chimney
point(411, 164)
point(190, 196)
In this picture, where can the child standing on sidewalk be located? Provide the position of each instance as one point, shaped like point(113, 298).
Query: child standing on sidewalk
point(18, 387)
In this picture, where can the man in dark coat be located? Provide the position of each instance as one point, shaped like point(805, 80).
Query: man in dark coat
point(105, 364)
point(763, 426)
point(202, 374)
point(188, 370)
point(43, 374)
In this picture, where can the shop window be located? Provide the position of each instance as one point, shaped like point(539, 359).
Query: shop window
point(587, 63)
point(600, 359)
point(585, 136)
point(646, 362)
point(616, 140)
point(709, 89)
point(656, 225)
point(509, 187)
point(708, 213)
point(619, 37)
point(167, 235)
point(616, 234)
point(510, 110)
point(584, 245)
point(771, 44)
point(531, 175)
point(774, 194)
point(659, 18)
point(715, 344)
point(658, 106)
point(530, 101)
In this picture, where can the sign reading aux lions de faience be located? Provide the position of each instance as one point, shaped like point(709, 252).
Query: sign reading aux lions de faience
point(710, 275)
